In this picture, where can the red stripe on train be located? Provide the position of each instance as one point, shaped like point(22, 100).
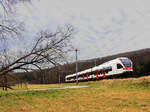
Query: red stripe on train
point(87, 76)
point(104, 75)
point(83, 76)
point(97, 74)
point(128, 68)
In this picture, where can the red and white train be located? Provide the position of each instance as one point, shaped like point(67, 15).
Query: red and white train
point(118, 66)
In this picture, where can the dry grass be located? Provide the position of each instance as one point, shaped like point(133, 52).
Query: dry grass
point(117, 95)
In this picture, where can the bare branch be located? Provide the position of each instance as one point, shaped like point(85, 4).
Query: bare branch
point(45, 50)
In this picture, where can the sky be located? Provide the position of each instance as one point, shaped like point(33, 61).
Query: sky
point(103, 27)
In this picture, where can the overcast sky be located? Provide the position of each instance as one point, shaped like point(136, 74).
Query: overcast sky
point(104, 27)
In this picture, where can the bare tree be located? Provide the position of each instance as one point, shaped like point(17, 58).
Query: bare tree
point(46, 49)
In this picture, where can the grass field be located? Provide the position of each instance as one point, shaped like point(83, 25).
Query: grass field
point(115, 95)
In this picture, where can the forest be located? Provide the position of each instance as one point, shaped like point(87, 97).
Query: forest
point(140, 59)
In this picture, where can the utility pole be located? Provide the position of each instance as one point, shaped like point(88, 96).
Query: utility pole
point(59, 73)
point(76, 66)
point(59, 77)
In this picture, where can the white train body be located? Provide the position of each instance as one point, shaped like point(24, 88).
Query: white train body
point(117, 66)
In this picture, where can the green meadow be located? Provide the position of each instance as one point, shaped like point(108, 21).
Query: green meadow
point(114, 95)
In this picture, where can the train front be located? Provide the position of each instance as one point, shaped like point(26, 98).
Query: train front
point(127, 65)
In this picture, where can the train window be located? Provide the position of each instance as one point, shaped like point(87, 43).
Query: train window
point(126, 62)
point(119, 66)
point(92, 73)
point(106, 71)
point(74, 77)
point(100, 72)
point(110, 68)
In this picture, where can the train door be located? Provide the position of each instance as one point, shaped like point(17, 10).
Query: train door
point(119, 68)
point(104, 73)
point(114, 69)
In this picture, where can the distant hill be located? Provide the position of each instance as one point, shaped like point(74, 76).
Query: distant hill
point(140, 59)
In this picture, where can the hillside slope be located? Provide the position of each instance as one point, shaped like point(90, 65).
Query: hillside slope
point(140, 59)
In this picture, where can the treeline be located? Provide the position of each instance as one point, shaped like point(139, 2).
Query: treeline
point(140, 59)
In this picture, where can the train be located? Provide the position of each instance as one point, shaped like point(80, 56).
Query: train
point(121, 66)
